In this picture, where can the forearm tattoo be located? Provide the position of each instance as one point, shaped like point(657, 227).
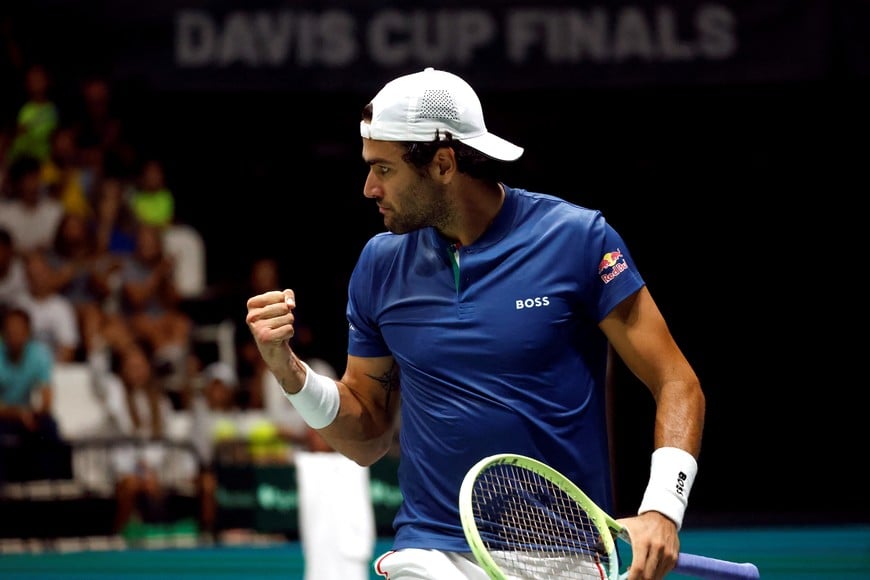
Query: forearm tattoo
point(389, 381)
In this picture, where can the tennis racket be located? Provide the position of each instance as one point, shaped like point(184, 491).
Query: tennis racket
point(525, 520)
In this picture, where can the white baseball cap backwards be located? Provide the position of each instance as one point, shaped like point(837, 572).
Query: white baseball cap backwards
point(425, 105)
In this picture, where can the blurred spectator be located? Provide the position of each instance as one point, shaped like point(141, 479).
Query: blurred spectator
point(151, 302)
point(217, 419)
point(100, 130)
point(152, 201)
point(37, 118)
point(115, 222)
point(213, 404)
point(111, 340)
point(13, 280)
point(140, 409)
point(30, 444)
point(63, 175)
point(82, 273)
point(29, 215)
point(52, 314)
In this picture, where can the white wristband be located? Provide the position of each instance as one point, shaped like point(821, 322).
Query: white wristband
point(671, 475)
point(318, 399)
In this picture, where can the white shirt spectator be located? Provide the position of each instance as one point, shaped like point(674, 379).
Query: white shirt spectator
point(53, 320)
point(32, 227)
point(14, 284)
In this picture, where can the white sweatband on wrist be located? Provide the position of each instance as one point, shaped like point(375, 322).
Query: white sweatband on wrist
point(318, 399)
point(671, 475)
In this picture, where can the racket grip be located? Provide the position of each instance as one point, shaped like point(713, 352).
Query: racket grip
point(713, 568)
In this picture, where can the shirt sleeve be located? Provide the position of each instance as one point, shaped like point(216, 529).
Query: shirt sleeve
point(364, 335)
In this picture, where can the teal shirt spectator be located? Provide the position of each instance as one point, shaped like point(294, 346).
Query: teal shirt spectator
point(19, 379)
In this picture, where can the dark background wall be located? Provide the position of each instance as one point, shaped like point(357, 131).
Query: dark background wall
point(736, 193)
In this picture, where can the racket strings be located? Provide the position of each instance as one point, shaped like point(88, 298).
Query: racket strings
point(533, 529)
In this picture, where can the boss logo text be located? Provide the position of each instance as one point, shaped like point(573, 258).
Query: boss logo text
point(535, 302)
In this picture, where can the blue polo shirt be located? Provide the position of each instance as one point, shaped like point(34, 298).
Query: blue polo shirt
point(509, 358)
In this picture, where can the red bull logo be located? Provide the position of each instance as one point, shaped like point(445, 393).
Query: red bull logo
point(611, 265)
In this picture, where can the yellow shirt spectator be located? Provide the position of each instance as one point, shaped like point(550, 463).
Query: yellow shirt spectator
point(155, 208)
point(152, 202)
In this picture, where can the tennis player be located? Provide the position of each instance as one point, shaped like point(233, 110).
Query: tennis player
point(482, 319)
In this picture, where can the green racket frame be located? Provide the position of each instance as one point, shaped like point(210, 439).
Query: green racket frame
point(599, 517)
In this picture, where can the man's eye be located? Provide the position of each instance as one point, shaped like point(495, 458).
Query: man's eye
point(383, 170)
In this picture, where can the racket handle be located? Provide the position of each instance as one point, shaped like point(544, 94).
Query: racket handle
point(713, 568)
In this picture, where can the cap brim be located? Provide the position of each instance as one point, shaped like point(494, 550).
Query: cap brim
point(494, 147)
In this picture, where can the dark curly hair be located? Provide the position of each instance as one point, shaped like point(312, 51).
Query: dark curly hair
point(469, 160)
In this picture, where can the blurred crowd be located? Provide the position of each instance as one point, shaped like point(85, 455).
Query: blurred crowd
point(89, 280)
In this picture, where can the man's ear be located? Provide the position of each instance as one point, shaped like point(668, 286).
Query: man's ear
point(444, 163)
